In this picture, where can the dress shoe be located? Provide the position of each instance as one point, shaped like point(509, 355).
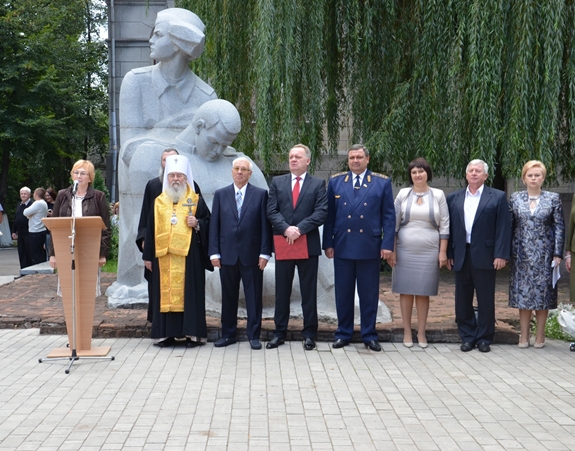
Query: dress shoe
point(373, 345)
point(539, 345)
point(408, 344)
point(192, 344)
point(483, 347)
point(523, 345)
point(339, 343)
point(170, 341)
point(466, 347)
point(275, 342)
point(222, 342)
point(255, 344)
point(308, 344)
point(422, 345)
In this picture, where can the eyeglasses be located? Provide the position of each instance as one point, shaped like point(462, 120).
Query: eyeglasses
point(81, 173)
point(238, 169)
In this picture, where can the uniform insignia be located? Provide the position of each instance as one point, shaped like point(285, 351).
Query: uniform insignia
point(337, 196)
point(369, 178)
point(379, 175)
point(339, 174)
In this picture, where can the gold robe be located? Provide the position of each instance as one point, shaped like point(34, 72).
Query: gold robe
point(172, 246)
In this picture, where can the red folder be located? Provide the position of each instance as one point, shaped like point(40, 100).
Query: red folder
point(286, 251)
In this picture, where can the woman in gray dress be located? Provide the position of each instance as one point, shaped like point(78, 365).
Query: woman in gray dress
point(538, 234)
point(421, 234)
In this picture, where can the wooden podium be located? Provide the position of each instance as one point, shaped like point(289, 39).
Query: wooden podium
point(86, 258)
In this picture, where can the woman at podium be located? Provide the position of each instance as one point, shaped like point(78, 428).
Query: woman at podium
point(83, 200)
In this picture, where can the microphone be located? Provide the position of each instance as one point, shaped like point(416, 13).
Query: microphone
point(75, 187)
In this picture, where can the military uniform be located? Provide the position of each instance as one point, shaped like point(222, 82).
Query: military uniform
point(360, 223)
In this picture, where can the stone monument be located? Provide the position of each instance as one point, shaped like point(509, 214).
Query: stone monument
point(167, 105)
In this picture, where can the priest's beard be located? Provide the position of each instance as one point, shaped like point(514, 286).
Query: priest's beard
point(177, 191)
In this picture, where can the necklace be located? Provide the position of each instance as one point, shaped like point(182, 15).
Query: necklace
point(419, 200)
point(533, 200)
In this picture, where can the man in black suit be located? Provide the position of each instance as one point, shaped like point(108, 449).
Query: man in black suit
point(20, 228)
point(297, 206)
point(240, 245)
point(479, 245)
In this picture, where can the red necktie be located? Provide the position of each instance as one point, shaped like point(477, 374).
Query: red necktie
point(296, 191)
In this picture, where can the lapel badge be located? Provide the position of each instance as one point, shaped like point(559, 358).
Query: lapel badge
point(369, 178)
point(337, 196)
point(346, 178)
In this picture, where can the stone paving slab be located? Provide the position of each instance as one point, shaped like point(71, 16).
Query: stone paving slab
point(30, 302)
point(237, 399)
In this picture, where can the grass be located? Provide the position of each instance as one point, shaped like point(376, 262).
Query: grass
point(110, 266)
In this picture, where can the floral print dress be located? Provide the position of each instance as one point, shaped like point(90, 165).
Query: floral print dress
point(537, 237)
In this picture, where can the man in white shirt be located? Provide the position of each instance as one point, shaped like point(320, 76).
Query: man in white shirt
point(479, 245)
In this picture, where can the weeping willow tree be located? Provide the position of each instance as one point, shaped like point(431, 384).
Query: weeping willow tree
point(449, 80)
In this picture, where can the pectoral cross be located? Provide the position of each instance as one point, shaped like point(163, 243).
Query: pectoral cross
point(190, 204)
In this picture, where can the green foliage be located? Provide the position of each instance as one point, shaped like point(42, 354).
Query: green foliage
point(449, 80)
point(100, 184)
point(113, 252)
point(53, 96)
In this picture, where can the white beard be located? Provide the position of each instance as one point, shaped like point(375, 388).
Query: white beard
point(177, 192)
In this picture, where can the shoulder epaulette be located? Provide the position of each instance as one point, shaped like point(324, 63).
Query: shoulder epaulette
point(339, 174)
point(376, 174)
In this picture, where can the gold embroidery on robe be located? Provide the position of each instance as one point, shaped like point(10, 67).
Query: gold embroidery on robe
point(172, 246)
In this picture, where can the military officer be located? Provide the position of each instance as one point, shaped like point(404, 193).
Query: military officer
point(359, 232)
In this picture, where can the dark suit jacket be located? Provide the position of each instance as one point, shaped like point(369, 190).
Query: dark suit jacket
point(244, 239)
point(491, 232)
point(309, 213)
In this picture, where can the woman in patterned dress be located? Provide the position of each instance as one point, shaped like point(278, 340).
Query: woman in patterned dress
point(538, 234)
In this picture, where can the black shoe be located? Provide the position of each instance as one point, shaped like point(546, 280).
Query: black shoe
point(275, 342)
point(339, 343)
point(170, 341)
point(308, 344)
point(255, 344)
point(466, 347)
point(192, 344)
point(222, 342)
point(373, 345)
point(483, 347)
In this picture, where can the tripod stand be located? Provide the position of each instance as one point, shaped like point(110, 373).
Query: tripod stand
point(78, 271)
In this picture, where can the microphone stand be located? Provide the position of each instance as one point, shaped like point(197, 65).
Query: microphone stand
point(74, 345)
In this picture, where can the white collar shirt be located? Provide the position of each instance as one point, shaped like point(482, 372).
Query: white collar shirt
point(470, 209)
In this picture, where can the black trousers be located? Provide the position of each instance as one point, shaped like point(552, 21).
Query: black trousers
point(37, 240)
point(252, 278)
point(481, 281)
point(307, 272)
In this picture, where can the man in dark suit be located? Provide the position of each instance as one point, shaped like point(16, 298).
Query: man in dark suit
point(240, 245)
point(297, 206)
point(20, 228)
point(479, 245)
point(358, 233)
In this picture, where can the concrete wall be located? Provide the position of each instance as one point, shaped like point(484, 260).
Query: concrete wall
point(130, 25)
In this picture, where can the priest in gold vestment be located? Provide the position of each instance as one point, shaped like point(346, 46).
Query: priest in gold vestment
point(176, 253)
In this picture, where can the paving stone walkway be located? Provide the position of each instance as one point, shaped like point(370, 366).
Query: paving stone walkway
point(236, 399)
